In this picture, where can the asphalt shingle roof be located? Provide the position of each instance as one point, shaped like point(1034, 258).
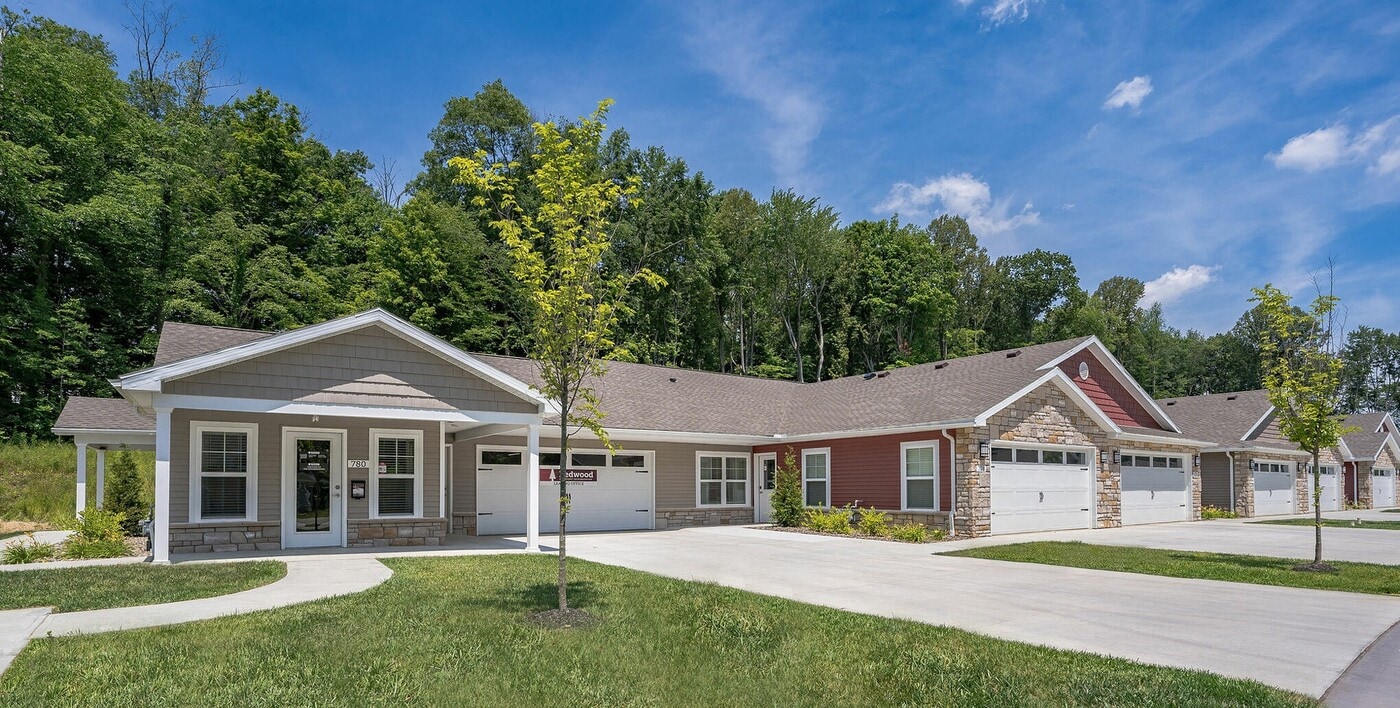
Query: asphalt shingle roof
point(1221, 418)
point(1365, 442)
point(86, 413)
point(181, 341)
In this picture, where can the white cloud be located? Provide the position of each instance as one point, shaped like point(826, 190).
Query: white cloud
point(1000, 12)
point(1177, 282)
point(1324, 147)
point(1334, 145)
point(754, 55)
point(962, 195)
point(1129, 93)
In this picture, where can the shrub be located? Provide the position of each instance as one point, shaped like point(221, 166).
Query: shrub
point(872, 522)
point(98, 525)
point(27, 551)
point(912, 532)
point(1215, 512)
point(126, 494)
point(829, 520)
point(787, 492)
point(78, 548)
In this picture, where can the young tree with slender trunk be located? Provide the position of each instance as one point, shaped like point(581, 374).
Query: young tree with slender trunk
point(558, 249)
point(1303, 376)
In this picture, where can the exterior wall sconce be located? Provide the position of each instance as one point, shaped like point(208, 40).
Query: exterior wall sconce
point(1103, 457)
point(984, 448)
point(1196, 461)
point(1117, 457)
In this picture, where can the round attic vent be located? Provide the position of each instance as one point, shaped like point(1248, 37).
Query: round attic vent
point(1084, 370)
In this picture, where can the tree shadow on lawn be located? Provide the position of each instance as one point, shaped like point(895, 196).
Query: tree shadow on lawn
point(539, 596)
point(1242, 562)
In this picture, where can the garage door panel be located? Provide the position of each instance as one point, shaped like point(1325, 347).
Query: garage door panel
point(620, 500)
point(1383, 488)
point(1040, 497)
point(1154, 494)
point(1273, 493)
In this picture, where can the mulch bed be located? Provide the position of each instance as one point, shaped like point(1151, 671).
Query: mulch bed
point(572, 618)
point(814, 532)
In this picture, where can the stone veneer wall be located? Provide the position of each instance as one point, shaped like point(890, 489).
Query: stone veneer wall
point(225, 538)
point(1047, 416)
point(364, 533)
point(1364, 497)
point(1244, 481)
point(931, 519)
point(464, 523)
point(681, 518)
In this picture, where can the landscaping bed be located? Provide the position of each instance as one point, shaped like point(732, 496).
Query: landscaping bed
point(454, 631)
point(853, 534)
point(102, 587)
point(1261, 570)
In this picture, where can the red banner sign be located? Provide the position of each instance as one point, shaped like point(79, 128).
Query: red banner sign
point(551, 474)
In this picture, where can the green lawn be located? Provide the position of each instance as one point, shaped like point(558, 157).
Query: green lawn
point(1260, 570)
point(1337, 523)
point(100, 587)
point(450, 631)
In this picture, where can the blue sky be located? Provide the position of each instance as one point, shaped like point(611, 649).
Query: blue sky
point(1202, 147)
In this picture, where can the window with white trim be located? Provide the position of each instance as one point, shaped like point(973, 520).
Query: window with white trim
point(920, 472)
point(397, 473)
point(816, 477)
point(723, 480)
point(223, 471)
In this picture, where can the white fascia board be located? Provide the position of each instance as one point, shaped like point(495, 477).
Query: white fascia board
point(136, 440)
point(151, 379)
point(1391, 443)
point(1119, 372)
point(254, 405)
point(1345, 451)
point(873, 432)
point(1163, 440)
point(1259, 424)
point(1381, 425)
point(1059, 378)
point(551, 431)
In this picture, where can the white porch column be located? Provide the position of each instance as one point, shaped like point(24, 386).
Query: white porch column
point(101, 474)
point(442, 468)
point(532, 490)
point(160, 542)
point(82, 477)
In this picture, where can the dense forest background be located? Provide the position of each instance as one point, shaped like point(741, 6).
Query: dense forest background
point(126, 202)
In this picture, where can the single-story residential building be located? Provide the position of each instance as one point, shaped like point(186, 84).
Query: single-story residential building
point(366, 430)
point(1370, 453)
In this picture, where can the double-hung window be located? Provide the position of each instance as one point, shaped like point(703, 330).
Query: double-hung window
point(396, 477)
point(816, 477)
point(723, 479)
point(920, 471)
point(223, 471)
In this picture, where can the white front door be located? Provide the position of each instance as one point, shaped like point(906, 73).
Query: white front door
point(1274, 489)
point(313, 474)
point(1041, 489)
point(765, 467)
point(1382, 488)
point(1155, 488)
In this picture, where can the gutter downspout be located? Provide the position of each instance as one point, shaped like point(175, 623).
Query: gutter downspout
point(952, 485)
point(1231, 455)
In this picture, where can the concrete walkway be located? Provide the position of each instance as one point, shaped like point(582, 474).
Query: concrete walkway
point(1373, 679)
point(1301, 640)
point(306, 580)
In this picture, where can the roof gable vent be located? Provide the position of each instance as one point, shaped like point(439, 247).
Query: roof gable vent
point(1231, 398)
point(1171, 403)
point(1013, 355)
point(940, 365)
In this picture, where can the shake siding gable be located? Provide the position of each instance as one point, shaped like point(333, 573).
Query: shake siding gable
point(1107, 392)
point(370, 366)
point(868, 468)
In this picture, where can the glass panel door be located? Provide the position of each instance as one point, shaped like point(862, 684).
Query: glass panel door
point(313, 486)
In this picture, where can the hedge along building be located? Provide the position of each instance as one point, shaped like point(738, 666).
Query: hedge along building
point(366, 430)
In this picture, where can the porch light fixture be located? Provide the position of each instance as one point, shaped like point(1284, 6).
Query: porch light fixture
point(1117, 457)
point(1196, 461)
point(1103, 457)
point(984, 448)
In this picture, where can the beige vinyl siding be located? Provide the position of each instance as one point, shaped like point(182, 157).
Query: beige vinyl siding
point(1215, 480)
point(370, 366)
point(675, 467)
point(270, 427)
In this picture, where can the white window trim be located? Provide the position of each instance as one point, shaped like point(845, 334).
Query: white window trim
point(418, 454)
point(1185, 459)
point(937, 477)
point(826, 451)
point(195, 473)
point(748, 475)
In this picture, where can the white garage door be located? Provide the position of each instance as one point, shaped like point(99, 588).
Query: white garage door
point(1274, 488)
point(1036, 489)
point(1156, 488)
point(608, 492)
point(1331, 489)
point(1382, 488)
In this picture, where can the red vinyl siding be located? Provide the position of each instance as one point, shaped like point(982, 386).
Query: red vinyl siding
point(1349, 483)
point(1104, 389)
point(868, 468)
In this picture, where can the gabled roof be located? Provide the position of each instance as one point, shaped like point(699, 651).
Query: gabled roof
point(83, 413)
point(179, 341)
point(150, 380)
point(1230, 420)
point(1368, 438)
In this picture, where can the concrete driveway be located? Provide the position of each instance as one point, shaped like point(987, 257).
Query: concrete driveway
point(1233, 536)
point(1300, 640)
